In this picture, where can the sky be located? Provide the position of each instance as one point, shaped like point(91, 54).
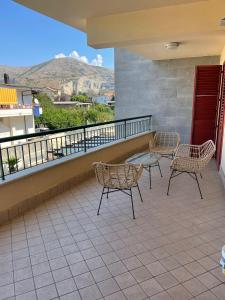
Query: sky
point(29, 38)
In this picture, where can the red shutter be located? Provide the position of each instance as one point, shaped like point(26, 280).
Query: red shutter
point(205, 104)
point(220, 120)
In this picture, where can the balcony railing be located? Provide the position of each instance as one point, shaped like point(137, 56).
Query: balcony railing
point(16, 106)
point(30, 150)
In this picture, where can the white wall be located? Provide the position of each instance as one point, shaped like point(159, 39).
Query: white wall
point(26, 99)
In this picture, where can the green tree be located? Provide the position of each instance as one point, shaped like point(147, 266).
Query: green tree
point(55, 118)
point(80, 98)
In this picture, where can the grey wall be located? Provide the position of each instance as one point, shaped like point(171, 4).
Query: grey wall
point(161, 88)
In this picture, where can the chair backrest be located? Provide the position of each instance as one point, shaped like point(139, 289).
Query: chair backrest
point(117, 175)
point(207, 151)
point(167, 139)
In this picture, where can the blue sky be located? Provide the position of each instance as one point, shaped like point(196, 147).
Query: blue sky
point(29, 38)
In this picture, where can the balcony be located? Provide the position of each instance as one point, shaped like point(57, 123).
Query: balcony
point(61, 249)
point(15, 110)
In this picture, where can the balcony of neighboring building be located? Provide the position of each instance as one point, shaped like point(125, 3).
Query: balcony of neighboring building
point(15, 101)
point(16, 110)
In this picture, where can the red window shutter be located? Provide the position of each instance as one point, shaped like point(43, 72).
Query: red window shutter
point(205, 103)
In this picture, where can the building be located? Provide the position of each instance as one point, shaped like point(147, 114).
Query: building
point(167, 51)
point(159, 46)
point(106, 99)
point(102, 99)
point(16, 110)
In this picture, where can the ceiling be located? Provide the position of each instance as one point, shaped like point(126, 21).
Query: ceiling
point(143, 26)
point(76, 12)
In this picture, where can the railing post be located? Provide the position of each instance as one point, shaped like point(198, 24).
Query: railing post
point(150, 123)
point(85, 146)
point(1, 165)
point(125, 129)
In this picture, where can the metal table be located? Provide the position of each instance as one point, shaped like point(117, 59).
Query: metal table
point(148, 160)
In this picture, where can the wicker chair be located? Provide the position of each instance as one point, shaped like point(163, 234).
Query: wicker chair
point(165, 143)
point(192, 159)
point(118, 177)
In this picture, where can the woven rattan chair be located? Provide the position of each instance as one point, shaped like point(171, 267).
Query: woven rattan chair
point(165, 143)
point(118, 177)
point(192, 159)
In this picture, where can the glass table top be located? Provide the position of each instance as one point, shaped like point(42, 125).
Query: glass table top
point(145, 158)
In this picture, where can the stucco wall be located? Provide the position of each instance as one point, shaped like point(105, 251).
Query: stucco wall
point(161, 88)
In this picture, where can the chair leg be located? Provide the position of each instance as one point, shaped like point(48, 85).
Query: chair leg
point(198, 185)
point(131, 198)
point(150, 177)
point(139, 193)
point(160, 169)
point(108, 193)
point(168, 189)
point(201, 175)
point(100, 201)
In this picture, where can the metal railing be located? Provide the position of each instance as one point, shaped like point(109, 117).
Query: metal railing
point(22, 152)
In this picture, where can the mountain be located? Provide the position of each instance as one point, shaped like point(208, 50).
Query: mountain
point(60, 73)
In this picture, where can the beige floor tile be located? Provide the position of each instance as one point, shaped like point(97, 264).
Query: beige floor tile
point(156, 268)
point(178, 292)
point(209, 280)
point(172, 249)
point(195, 268)
point(101, 274)
point(151, 287)
point(141, 274)
point(90, 293)
point(181, 274)
point(117, 268)
point(166, 280)
point(206, 296)
point(194, 286)
point(116, 296)
point(134, 293)
point(125, 280)
point(219, 291)
point(108, 286)
point(161, 296)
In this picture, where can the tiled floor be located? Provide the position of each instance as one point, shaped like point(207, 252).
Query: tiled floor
point(62, 250)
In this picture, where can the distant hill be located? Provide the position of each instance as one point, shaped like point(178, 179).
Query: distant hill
point(61, 73)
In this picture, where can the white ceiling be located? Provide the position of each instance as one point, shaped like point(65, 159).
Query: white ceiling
point(76, 12)
point(143, 26)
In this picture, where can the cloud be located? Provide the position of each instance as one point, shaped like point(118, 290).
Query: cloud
point(83, 59)
point(74, 54)
point(60, 55)
point(97, 61)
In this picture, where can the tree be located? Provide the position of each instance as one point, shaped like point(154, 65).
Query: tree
point(80, 98)
point(55, 118)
